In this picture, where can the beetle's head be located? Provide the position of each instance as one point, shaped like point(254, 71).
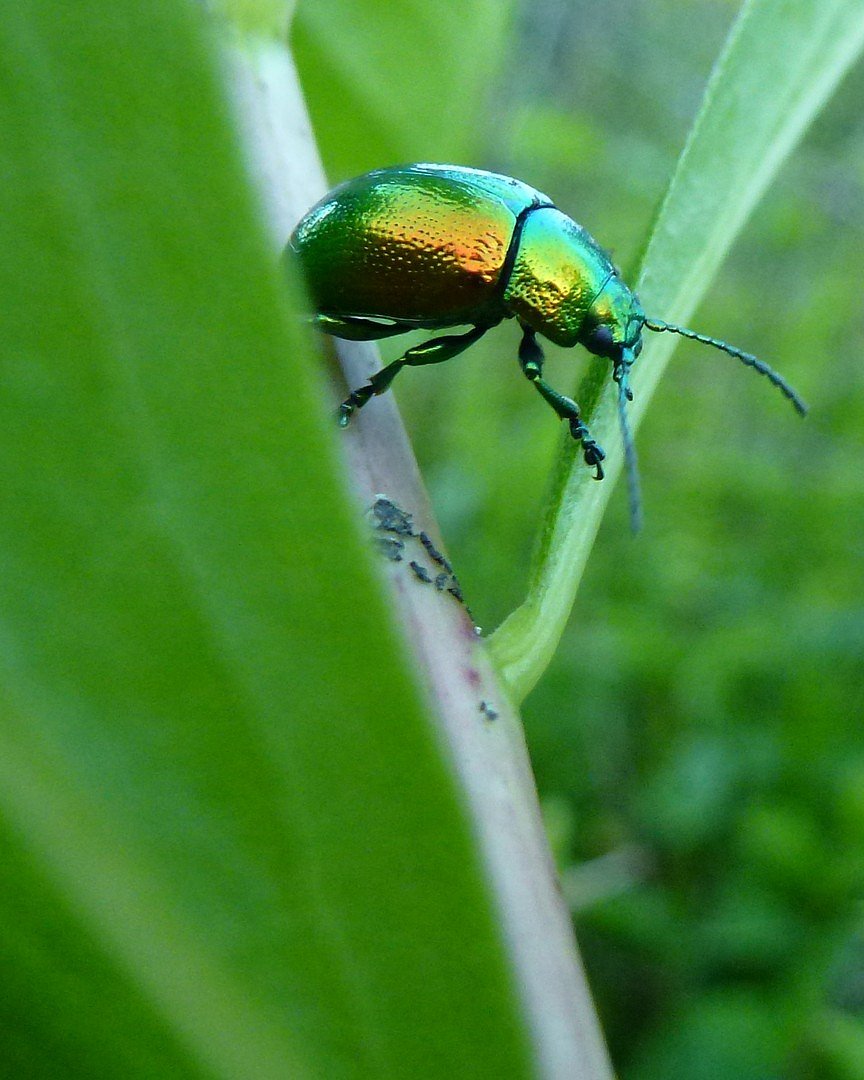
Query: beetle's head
point(613, 324)
point(613, 329)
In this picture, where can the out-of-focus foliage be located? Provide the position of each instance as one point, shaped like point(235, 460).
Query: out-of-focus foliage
point(697, 740)
point(260, 19)
point(386, 81)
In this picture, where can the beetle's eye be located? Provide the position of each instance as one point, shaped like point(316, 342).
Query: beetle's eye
point(600, 341)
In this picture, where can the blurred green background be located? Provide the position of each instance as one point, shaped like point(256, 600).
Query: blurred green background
point(697, 740)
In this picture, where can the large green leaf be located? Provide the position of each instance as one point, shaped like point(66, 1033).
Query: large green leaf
point(782, 61)
point(232, 845)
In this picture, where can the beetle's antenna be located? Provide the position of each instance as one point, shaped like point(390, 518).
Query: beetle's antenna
point(746, 358)
point(620, 375)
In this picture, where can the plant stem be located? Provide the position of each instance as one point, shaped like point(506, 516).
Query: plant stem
point(451, 662)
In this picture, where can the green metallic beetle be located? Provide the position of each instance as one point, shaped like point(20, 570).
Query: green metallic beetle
point(433, 246)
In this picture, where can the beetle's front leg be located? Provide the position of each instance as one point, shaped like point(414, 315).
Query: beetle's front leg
point(531, 361)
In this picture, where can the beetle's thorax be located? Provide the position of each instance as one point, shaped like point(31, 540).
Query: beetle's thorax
point(557, 273)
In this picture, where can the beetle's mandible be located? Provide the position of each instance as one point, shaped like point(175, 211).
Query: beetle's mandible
point(435, 246)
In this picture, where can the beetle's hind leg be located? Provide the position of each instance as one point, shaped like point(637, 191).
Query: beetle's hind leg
point(435, 351)
point(531, 360)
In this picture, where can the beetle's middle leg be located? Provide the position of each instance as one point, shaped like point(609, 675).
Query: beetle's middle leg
point(434, 351)
point(531, 360)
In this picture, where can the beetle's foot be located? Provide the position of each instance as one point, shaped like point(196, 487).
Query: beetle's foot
point(593, 453)
point(355, 400)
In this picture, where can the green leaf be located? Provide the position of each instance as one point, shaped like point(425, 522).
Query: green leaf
point(232, 845)
point(374, 72)
point(781, 63)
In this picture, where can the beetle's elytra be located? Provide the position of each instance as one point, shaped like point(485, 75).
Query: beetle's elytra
point(435, 246)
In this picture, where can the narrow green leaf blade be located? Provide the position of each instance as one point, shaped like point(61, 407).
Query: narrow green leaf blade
point(781, 63)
